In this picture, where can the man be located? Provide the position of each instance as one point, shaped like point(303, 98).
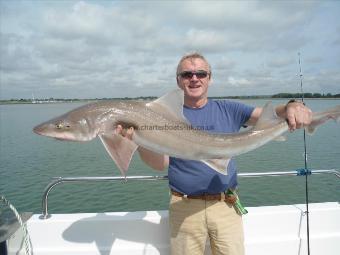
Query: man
point(198, 209)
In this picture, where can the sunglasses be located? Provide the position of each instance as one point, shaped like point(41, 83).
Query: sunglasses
point(200, 74)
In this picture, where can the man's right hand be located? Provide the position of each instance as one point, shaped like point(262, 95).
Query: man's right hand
point(125, 132)
point(153, 159)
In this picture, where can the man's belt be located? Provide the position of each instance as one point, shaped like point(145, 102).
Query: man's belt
point(228, 196)
point(209, 197)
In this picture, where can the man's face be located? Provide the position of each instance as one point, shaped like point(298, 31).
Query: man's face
point(194, 87)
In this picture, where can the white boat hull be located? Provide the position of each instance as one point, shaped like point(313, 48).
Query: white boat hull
point(279, 230)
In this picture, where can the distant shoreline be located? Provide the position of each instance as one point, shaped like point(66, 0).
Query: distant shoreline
point(58, 101)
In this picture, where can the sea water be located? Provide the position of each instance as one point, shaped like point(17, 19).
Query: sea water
point(28, 162)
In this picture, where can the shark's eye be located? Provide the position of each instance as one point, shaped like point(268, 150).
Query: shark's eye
point(62, 126)
point(59, 125)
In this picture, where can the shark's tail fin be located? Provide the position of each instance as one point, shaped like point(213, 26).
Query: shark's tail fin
point(322, 117)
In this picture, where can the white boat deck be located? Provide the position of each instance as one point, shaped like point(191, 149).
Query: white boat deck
point(268, 230)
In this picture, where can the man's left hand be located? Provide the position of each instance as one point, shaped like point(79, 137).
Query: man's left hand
point(298, 115)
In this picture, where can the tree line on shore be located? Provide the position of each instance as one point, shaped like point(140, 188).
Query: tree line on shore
point(286, 95)
point(279, 95)
point(306, 95)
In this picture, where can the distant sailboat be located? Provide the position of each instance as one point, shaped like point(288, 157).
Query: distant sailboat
point(33, 99)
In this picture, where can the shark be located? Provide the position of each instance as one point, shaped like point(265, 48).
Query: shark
point(160, 126)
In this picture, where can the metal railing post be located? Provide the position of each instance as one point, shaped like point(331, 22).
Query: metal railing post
point(60, 180)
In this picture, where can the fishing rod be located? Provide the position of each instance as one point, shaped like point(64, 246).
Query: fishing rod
point(307, 172)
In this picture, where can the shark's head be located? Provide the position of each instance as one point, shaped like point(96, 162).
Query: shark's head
point(66, 127)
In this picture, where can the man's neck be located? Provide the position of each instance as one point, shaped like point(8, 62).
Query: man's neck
point(195, 103)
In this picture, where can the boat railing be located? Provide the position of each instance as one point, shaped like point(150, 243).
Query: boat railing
point(59, 180)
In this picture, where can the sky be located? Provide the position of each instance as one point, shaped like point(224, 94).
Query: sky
point(107, 49)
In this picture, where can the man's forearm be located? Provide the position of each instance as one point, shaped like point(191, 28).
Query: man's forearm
point(154, 160)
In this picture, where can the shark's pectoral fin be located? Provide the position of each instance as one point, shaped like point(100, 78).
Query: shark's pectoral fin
point(120, 150)
point(219, 165)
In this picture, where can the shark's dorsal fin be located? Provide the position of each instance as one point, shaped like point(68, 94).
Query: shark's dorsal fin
point(171, 103)
point(268, 117)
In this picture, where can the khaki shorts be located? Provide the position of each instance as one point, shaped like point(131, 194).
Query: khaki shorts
point(192, 221)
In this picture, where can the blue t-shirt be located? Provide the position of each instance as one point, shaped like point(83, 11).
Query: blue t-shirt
point(194, 177)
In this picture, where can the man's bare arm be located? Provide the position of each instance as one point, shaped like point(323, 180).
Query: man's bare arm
point(296, 114)
point(154, 160)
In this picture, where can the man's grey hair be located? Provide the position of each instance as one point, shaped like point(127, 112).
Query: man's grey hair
point(192, 55)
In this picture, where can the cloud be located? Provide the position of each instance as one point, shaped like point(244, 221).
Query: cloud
point(281, 61)
point(114, 49)
point(238, 82)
